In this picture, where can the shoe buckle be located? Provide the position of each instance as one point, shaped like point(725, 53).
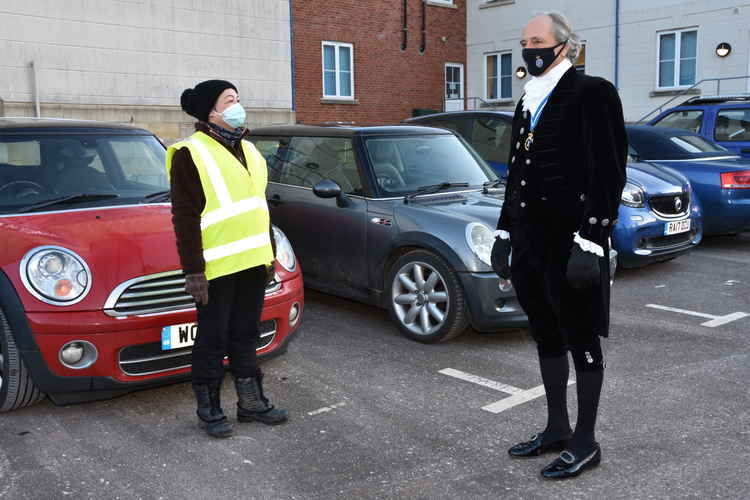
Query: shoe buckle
point(567, 457)
point(533, 438)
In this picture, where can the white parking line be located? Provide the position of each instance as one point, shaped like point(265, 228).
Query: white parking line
point(517, 396)
point(326, 409)
point(484, 382)
point(714, 320)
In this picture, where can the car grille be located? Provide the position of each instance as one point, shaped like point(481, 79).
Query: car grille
point(156, 293)
point(667, 206)
point(148, 359)
point(673, 240)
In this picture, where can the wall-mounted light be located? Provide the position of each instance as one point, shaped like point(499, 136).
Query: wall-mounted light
point(723, 49)
point(520, 72)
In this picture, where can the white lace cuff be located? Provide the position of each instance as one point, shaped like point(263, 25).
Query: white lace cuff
point(588, 246)
point(503, 235)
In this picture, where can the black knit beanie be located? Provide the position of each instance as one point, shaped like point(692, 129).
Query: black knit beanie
point(199, 101)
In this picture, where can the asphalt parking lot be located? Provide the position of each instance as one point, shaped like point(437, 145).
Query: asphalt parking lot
point(377, 416)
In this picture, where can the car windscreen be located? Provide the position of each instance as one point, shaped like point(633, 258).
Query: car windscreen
point(403, 164)
point(660, 146)
point(107, 169)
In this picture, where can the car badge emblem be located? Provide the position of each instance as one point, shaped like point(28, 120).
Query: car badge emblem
point(677, 203)
point(539, 63)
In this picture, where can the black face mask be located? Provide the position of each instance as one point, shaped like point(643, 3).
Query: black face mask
point(538, 60)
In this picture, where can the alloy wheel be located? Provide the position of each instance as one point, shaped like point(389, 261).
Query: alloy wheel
point(420, 298)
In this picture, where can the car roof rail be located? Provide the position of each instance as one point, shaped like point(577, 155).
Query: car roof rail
point(714, 99)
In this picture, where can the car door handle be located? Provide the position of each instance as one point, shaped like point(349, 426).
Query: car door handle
point(275, 200)
point(745, 150)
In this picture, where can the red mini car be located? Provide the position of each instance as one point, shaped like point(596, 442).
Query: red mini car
point(92, 298)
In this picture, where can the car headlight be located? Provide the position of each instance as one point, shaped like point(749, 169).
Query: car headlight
point(480, 239)
point(55, 275)
point(632, 195)
point(284, 252)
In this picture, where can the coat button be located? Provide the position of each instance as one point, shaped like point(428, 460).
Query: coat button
point(518, 145)
point(523, 204)
point(528, 161)
point(583, 197)
point(592, 220)
point(513, 160)
point(523, 182)
point(605, 222)
point(522, 130)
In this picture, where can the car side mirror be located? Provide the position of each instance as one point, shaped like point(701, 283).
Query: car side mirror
point(328, 188)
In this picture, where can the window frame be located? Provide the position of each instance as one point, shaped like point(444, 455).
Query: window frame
point(337, 71)
point(745, 111)
point(444, 2)
point(677, 57)
point(500, 98)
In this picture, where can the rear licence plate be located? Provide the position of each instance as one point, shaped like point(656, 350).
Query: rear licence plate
point(177, 336)
point(676, 227)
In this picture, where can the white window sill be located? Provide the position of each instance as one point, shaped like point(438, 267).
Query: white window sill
point(506, 100)
point(338, 100)
point(671, 91)
point(441, 4)
point(499, 3)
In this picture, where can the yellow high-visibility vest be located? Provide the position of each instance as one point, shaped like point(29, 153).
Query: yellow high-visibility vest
point(235, 220)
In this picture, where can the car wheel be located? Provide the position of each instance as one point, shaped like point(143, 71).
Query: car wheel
point(17, 389)
point(427, 301)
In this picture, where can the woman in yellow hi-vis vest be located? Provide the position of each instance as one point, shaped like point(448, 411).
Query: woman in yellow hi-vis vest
point(226, 248)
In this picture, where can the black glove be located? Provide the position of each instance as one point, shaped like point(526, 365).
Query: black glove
point(583, 269)
point(197, 286)
point(500, 256)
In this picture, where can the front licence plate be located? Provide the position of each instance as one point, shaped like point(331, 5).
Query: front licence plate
point(176, 336)
point(676, 227)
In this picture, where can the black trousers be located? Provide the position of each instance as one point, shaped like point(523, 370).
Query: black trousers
point(561, 318)
point(228, 325)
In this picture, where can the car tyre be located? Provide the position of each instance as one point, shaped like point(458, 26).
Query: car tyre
point(426, 299)
point(17, 388)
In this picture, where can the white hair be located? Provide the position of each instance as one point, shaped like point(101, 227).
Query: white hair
point(563, 31)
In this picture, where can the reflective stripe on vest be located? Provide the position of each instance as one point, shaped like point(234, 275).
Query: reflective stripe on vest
point(235, 219)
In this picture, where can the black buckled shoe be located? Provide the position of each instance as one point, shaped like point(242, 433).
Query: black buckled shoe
point(252, 404)
point(537, 446)
point(569, 465)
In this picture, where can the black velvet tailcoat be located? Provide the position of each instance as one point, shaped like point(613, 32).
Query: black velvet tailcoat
point(570, 180)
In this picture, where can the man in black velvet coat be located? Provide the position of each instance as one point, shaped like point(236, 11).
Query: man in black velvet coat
point(566, 175)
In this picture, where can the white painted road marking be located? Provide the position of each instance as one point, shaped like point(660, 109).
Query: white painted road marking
point(484, 382)
point(326, 409)
point(714, 320)
point(517, 396)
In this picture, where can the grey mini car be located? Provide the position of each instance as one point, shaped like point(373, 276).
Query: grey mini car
point(400, 217)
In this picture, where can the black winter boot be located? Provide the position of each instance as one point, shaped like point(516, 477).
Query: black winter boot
point(253, 406)
point(210, 415)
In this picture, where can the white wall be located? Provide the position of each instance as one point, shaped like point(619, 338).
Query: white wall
point(144, 52)
point(499, 28)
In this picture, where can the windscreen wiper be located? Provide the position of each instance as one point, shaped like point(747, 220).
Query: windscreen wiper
point(71, 198)
point(157, 196)
point(492, 184)
point(433, 188)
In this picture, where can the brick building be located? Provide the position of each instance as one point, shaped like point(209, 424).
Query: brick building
point(355, 62)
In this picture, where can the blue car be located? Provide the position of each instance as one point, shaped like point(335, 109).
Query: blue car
point(659, 219)
point(722, 119)
point(720, 178)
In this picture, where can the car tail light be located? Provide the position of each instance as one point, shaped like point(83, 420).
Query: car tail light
point(735, 180)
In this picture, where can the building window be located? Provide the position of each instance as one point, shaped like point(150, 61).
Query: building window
point(580, 63)
point(677, 59)
point(446, 2)
point(338, 70)
point(499, 71)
